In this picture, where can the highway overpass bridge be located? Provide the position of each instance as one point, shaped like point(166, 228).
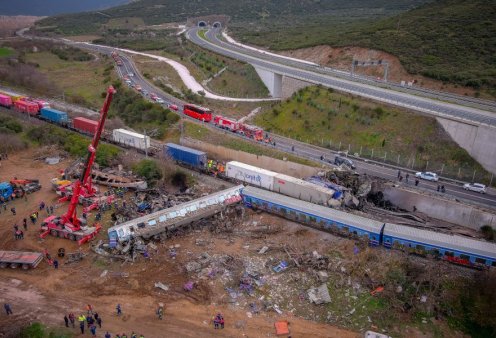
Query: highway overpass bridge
point(470, 122)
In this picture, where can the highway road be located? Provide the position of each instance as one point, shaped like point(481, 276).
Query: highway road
point(308, 151)
point(415, 90)
point(421, 104)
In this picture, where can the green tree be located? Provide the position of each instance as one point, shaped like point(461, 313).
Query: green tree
point(149, 170)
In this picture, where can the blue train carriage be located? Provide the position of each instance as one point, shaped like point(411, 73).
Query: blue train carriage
point(55, 116)
point(314, 215)
point(452, 248)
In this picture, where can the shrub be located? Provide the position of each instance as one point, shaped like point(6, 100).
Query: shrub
point(149, 170)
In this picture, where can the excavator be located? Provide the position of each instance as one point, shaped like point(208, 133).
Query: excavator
point(69, 226)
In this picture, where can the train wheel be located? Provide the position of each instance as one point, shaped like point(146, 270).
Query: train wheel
point(54, 233)
point(3, 265)
point(72, 237)
point(25, 266)
point(14, 265)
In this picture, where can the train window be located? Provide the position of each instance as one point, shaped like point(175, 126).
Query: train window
point(345, 229)
point(420, 247)
point(282, 210)
point(312, 219)
point(493, 263)
point(248, 199)
point(265, 205)
point(435, 252)
point(387, 240)
point(373, 238)
point(449, 253)
point(355, 232)
point(480, 260)
point(465, 257)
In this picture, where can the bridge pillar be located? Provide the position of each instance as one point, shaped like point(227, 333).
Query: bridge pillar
point(272, 81)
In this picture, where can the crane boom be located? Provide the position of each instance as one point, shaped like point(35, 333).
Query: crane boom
point(70, 218)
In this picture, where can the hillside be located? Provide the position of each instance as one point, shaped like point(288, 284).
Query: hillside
point(248, 11)
point(53, 7)
point(449, 40)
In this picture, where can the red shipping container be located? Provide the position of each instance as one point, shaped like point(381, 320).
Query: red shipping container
point(85, 125)
point(5, 101)
point(27, 107)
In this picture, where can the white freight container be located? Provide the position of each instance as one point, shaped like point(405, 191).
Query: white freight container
point(306, 191)
point(252, 175)
point(131, 139)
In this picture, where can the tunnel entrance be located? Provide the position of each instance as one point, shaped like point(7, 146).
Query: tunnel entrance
point(202, 24)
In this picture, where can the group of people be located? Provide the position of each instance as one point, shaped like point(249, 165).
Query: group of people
point(407, 177)
point(91, 319)
point(219, 321)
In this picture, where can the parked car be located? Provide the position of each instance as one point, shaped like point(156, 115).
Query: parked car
point(477, 187)
point(173, 107)
point(427, 175)
point(338, 160)
point(159, 100)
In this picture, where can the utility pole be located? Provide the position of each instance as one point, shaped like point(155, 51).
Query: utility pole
point(146, 148)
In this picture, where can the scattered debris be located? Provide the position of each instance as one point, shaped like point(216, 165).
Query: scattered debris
point(52, 160)
point(319, 295)
point(161, 286)
point(263, 250)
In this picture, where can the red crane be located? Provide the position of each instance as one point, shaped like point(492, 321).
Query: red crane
point(69, 225)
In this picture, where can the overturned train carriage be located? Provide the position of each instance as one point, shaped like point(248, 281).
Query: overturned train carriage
point(169, 219)
point(314, 215)
point(452, 248)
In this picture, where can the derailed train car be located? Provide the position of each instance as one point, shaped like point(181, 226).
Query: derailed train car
point(451, 248)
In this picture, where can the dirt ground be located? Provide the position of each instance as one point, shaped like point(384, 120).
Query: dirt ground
point(45, 294)
point(342, 57)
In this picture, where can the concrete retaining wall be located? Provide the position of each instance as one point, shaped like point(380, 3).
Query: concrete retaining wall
point(478, 141)
point(439, 208)
point(269, 163)
point(291, 86)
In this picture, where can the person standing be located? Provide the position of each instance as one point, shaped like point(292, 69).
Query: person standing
point(72, 318)
point(13, 211)
point(66, 321)
point(55, 264)
point(399, 174)
point(119, 309)
point(8, 309)
point(25, 224)
point(99, 322)
point(93, 330)
point(81, 326)
point(107, 335)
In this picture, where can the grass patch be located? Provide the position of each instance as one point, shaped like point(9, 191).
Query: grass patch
point(201, 133)
point(342, 122)
point(229, 83)
point(4, 52)
point(81, 81)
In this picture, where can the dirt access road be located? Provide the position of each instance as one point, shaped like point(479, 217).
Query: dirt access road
point(45, 294)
